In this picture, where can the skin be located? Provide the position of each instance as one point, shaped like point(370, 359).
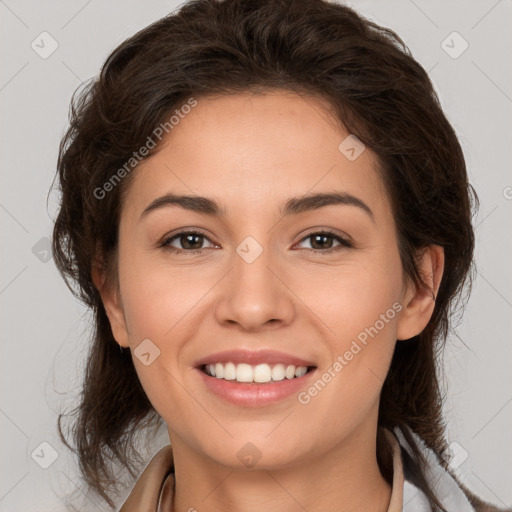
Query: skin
point(252, 153)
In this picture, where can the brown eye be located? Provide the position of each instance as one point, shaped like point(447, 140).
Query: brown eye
point(190, 241)
point(323, 241)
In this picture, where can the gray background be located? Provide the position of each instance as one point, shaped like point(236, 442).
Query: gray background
point(44, 330)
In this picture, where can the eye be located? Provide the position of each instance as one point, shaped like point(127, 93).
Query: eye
point(190, 241)
point(321, 239)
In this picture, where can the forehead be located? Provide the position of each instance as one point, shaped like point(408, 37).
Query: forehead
point(250, 151)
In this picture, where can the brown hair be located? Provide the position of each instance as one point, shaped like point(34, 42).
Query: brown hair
point(379, 93)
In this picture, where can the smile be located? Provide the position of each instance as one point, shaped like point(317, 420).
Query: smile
point(250, 393)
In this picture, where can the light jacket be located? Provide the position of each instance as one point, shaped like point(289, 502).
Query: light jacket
point(154, 490)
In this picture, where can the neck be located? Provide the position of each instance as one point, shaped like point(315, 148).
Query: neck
point(346, 479)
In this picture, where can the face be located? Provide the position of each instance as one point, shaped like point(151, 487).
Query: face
point(316, 280)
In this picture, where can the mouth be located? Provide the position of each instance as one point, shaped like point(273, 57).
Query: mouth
point(249, 378)
point(251, 386)
point(263, 373)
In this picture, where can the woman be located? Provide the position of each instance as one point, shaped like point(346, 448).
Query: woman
point(269, 214)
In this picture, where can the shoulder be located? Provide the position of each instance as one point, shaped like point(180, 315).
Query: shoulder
point(148, 492)
point(436, 477)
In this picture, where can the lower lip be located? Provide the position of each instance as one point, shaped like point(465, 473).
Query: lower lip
point(255, 394)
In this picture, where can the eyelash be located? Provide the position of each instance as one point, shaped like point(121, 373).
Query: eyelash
point(344, 243)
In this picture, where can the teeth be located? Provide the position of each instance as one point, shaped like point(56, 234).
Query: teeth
point(219, 371)
point(289, 373)
point(244, 373)
point(229, 371)
point(259, 373)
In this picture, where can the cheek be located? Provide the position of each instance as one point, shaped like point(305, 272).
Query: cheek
point(360, 305)
point(350, 381)
point(353, 296)
point(160, 304)
point(156, 297)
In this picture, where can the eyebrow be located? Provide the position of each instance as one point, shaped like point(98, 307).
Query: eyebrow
point(293, 206)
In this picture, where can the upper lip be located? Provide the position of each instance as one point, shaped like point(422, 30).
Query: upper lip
point(253, 358)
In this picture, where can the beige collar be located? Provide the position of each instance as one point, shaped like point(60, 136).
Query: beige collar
point(154, 490)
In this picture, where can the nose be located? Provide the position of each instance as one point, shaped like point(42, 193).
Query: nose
point(254, 295)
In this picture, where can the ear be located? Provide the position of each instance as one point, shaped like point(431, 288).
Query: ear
point(112, 304)
point(419, 303)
